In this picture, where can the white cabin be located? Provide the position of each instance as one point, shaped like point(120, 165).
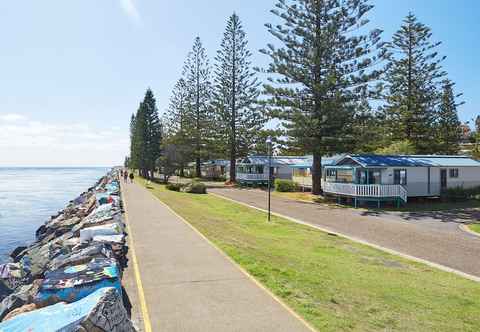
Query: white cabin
point(399, 176)
point(254, 169)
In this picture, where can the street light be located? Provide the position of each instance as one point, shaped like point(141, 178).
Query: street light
point(269, 150)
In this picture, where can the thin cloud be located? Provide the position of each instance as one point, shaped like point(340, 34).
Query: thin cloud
point(56, 143)
point(130, 8)
point(12, 117)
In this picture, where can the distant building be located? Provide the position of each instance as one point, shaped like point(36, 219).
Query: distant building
point(253, 169)
point(466, 133)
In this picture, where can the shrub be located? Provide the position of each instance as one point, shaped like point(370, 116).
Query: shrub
point(195, 187)
point(174, 186)
point(285, 185)
point(460, 193)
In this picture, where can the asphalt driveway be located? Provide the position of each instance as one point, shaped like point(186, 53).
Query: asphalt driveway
point(433, 236)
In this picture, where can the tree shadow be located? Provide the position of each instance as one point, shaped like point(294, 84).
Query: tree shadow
point(460, 216)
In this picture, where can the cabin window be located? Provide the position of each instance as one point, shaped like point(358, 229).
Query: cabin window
point(345, 175)
point(400, 176)
point(259, 169)
point(374, 177)
point(331, 173)
point(453, 172)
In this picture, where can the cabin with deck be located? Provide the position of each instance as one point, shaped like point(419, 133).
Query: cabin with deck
point(302, 172)
point(216, 169)
point(397, 177)
point(254, 169)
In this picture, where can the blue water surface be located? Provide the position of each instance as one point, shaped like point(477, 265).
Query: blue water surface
point(29, 196)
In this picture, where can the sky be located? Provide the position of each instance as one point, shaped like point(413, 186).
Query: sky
point(72, 72)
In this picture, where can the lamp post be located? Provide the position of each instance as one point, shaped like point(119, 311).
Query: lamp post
point(269, 150)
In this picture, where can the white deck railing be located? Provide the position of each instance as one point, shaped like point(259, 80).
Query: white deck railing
point(252, 177)
point(365, 190)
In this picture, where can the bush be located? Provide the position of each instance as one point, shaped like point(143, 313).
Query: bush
point(285, 185)
point(174, 186)
point(195, 187)
point(460, 193)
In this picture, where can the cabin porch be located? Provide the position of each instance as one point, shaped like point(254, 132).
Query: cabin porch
point(362, 184)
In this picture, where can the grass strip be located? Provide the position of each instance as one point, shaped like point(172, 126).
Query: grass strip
point(475, 228)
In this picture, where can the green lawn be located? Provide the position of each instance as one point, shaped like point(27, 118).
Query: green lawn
point(334, 283)
point(475, 227)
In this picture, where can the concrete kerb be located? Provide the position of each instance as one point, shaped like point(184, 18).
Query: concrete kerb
point(387, 250)
point(141, 294)
point(465, 228)
point(241, 269)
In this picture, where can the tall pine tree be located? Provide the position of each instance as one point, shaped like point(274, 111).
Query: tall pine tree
point(145, 136)
point(413, 78)
point(448, 125)
point(133, 160)
point(197, 76)
point(139, 152)
point(153, 132)
point(178, 125)
point(324, 65)
point(236, 91)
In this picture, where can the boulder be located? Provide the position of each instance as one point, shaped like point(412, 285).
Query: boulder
point(73, 283)
point(101, 311)
point(16, 252)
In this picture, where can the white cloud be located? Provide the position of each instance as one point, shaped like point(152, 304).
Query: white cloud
point(130, 8)
point(37, 143)
point(12, 117)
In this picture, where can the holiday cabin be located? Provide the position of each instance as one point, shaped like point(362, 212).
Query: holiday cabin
point(397, 177)
point(254, 169)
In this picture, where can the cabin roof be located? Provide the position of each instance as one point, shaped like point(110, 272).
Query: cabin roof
point(370, 160)
point(291, 161)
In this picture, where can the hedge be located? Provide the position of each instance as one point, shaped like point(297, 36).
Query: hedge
point(285, 185)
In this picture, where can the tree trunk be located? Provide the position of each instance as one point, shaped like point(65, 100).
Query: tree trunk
point(198, 168)
point(233, 171)
point(317, 174)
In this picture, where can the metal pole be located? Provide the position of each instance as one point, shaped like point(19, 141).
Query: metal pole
point(269, 176)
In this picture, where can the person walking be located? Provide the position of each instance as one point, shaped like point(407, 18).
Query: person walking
point(125, 176)
point(131, 177)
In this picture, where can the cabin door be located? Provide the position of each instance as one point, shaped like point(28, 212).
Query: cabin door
point(443, 179)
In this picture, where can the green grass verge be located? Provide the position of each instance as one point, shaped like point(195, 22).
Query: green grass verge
point(334, 283)
point(475, 228)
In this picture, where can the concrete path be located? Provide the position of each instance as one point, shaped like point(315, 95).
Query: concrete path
point(189, 285)
point(432, 237)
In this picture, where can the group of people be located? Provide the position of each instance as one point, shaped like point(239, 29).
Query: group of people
point(126, 176)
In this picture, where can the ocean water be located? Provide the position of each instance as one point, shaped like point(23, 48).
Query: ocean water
point(29, 196)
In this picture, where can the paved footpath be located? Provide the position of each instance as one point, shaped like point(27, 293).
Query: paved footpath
point(435, 237)
point(189, 285)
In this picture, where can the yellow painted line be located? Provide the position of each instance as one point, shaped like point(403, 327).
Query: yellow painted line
point(141, 294)
point(351, 238)
point(255, 281)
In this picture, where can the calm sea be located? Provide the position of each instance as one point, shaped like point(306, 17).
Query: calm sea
point(29, 196)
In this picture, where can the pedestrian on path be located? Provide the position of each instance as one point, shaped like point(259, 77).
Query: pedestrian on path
point(125, 176)
point(131, 177)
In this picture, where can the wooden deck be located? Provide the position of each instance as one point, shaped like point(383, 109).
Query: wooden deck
point(366, 190)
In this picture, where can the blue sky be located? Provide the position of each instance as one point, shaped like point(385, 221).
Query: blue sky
point(72, 72)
